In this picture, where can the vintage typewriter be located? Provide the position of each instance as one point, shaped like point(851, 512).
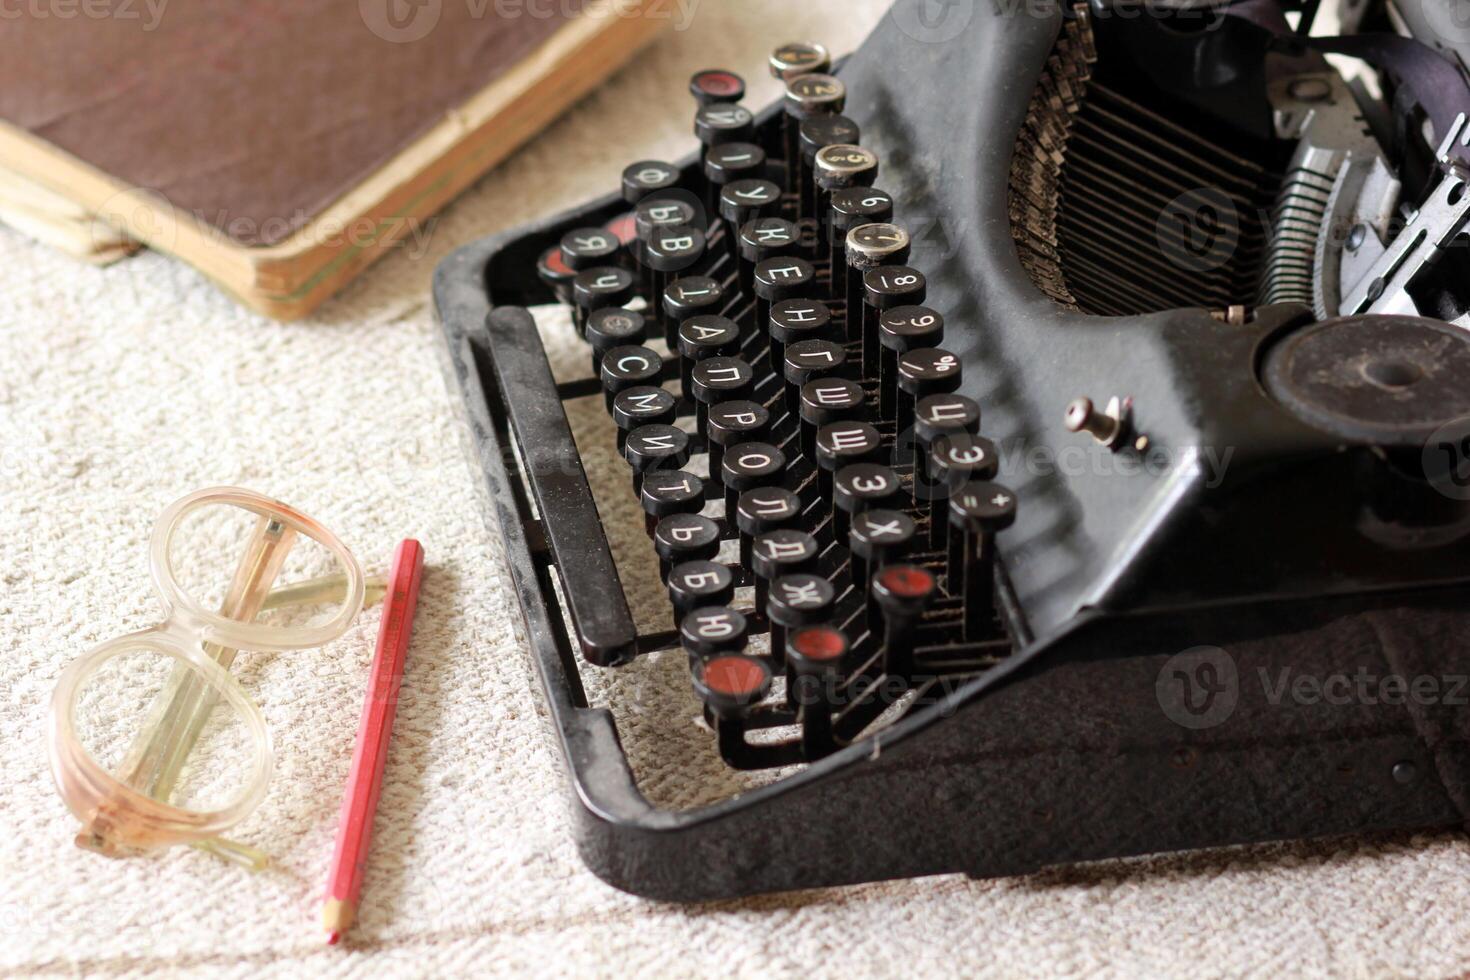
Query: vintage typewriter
point(1046, 437)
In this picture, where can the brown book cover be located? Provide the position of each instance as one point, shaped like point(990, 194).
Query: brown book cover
point(280, 145)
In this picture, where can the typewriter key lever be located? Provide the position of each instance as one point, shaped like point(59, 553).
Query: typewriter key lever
point(731, 685)
point(977, 512)
point(814, 660)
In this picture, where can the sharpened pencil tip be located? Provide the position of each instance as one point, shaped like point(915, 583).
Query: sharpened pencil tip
point(333, 937)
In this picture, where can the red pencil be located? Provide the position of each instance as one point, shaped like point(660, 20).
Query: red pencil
point(355, 825)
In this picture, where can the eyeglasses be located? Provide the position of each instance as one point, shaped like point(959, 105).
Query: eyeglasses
point(154, 742)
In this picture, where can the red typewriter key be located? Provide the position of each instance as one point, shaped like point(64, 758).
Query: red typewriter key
point(977, 512)
point(624, 228)
point(902, 593)
point(814, 665)
point(716, 85)
point(553, 270)
point(730, 687)
point(696, 584)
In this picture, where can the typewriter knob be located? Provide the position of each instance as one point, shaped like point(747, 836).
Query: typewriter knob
point(831, 400)
point(694, 584)
point(799, 58)
point(859, 487)
point(712, 630)
point(844, 165)
point(648, 177)
point(714, 85)
point(893, 286)
point(587, 248)
point(723, 122)
point(847, 442)
point(815, 94)
point(729, 162)
point(708, 335)
point(815, 651)
point(734, 422)
point(750, 465)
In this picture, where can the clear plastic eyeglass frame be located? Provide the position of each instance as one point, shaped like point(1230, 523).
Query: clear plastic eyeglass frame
point(129, 812)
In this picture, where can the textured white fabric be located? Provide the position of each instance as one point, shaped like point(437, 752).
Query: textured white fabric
point(124, 388)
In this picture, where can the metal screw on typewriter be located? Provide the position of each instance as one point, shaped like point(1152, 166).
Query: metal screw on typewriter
point(814, 659)
point(714, 85)
point(902, 593)
point(796, 600)
point(977, 512)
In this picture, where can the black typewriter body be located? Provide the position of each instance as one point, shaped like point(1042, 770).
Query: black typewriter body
point(1228, 422)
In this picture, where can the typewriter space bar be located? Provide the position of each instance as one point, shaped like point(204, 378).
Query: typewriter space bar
point(569, 518)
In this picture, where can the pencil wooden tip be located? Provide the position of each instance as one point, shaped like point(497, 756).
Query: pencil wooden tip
point(336, 918)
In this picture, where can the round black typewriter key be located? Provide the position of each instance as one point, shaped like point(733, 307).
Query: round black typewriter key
point(655, 447)
point(749, 465)
point(859, 487)
point(669, 252)
point(690, 296)
point(764, 509)
point(806, 361)
point(643, 405)
point(709, 631)
point(922, 372)
point(852, 208)
point(955, 459)
point(613, 326)
point(824, 402)
point(746, 200)
point(600, 287)
point(731, 423)
point(729, 162)
point(587, 248)
point(723, 122)
point(762, 239)
point(877, 537)
point(815, 94)
point(628, 367)
point(668, 492)
point(553, 270)
point(719, 379)
point(840, 167)
point(685, 537)
point(714, 85)
point(977, 512)
point(781, 552)
point(704, 336)
point(652, 214)
point(648, 177)
point(902, 593)
point(885, 288)
point(800, 58)
point(781, 278)
point(696, 584)
point(795, 601)
point(793, 320)
point(814, 135)
point(900, 330)
point(842, 444)
point(936, 416)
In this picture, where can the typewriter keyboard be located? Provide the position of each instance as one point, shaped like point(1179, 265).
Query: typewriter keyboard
point(818, 493)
